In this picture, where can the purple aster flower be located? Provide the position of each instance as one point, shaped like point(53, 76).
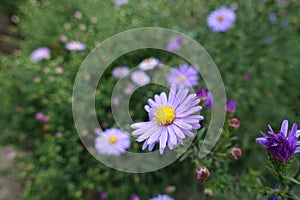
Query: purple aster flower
point(40, 54)
point(202, 93)
point(121, 2)
point(140, 78)
point(221, 20)
point(230, 106)
point(236, 153)
point(209, 101)
point(170, 119)
point(175, 45)
point(102, 195)
point(120, 72)
point(203, 174)
point(162, 197)
point(283, 145)
point(184, 75)
point(112, 141)
point(149, 63)
point(247, 76)
point(75, 46)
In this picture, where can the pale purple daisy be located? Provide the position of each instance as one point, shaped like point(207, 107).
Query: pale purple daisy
point(112, 141)
point(184, 75)
point(39, 116)
point(120, 72)
point(149, 63)
point(283, 145)
point(175, 44)
point(40, 54)
point(140, 78)
point(171, 119)
point(221, 20)
point(75, 46)
point(121, 2)
point(162, 197)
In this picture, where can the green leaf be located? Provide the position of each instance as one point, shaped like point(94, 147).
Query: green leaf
point(293, 180)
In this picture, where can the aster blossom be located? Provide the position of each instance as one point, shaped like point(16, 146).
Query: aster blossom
point(40, 54)
point(140, 78)
point(221, 20)
point(149, 63)
point(162, 197)
point(120, 72)
point(284, 144)
point(75, 46)
point(171, 119)
point(112, 141)
point(184, 75)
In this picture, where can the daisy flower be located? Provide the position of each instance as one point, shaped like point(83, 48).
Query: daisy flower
point(284, 144)
point(112, 141)
point(162, 197)
point(75, 46)
point(149, 63)
point(171, 119)
point(184, 75)
point(221, 20)
point(120, 72)
point(121, 2)
point(140, 78)
point(40, 54)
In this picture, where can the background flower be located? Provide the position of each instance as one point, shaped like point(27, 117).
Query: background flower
point(120, 72)
point(40, 54)
point(140, 78)
point(170, 119)
point(185, 75)
point(175, 44)
point(162, 197)
point(112, 141)
point(75, 46)
point(149, 63)
point(221, 19)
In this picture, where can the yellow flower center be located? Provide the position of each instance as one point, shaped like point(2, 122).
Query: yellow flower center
point(220, 18)
point(112, 139)
point(148, 60)
point(165, 115)
point(181, 78)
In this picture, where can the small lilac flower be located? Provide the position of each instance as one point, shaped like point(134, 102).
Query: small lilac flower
point(39, 116)
point(203, 175)
point(273, 18)
point(284, 144)
point(115, 101)
point(140, 78)
point(175, 45)
point(78, 15)
point(230, 106)
point(40, 54)
point(185, 75)
point(63, 38)
point(11, 154)
point(58, 134)
point(59, 70)
point(93, 19)
point(171, 119)
point(202, 93)
point(162, 197)
point(247, 76)
point(221, 20)
point(128, 89)
point(102, 195)
point(209, 101)
point(236, 153)
point(149, 63)
point(120, 72)
point(37, 79)
point(112, 141)
point(75, 46)
point(134, 197)
point(121, 2)
point(234, 122)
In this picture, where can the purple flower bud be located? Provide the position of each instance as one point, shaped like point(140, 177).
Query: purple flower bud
point(46, 119)
point(209, 101)
point(231, 106)
point(234, 122)
point(134, 197)
point(102, 195)
point(247, 76)
point(236, 153)
point(203, 175)
point(202, 93)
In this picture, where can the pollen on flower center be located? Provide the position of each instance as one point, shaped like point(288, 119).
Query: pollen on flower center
point(112, 139)
point(220, 18)
point(181, 78)
point(165, 115)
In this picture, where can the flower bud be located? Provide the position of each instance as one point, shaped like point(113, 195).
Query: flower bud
point(236, 153)
point(203, 175)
